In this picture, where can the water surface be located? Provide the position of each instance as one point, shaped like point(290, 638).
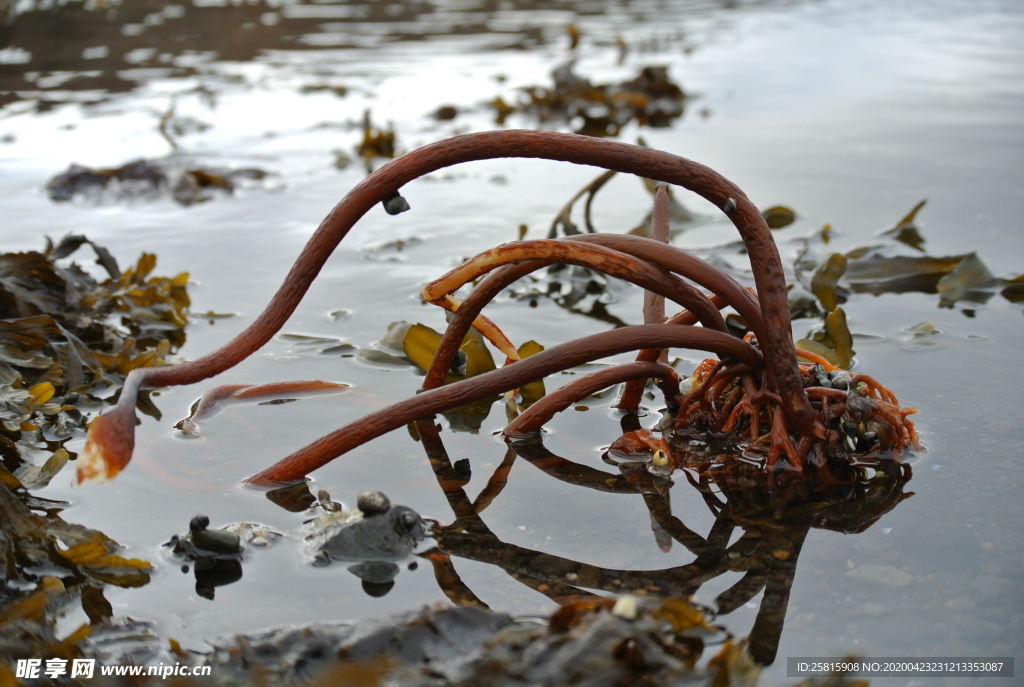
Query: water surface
point(848, 112)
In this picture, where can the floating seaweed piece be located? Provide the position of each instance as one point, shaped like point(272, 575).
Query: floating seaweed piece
point(834, 344)
point(33, 475)
point(192, 185)
point(339, 91)
point(213, 400)
point(759, 373)
point(148, 180)
point(294, 498)
point(965, 282)
point(955, 278)
point(1014, 291)
point(778, 216)
point(650, 99)
point(421, 342)
point(825, 278)
point(376, 143)
point(574, 36)
point(877, 270)
point(906, 231)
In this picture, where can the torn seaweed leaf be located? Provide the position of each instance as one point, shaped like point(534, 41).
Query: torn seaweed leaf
point(906, 231)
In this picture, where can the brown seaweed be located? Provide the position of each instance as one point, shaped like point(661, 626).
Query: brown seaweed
point(147, 180)
point(67, 338)
point(651, 99)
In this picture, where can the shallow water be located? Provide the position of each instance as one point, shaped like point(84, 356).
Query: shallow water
point(848, 112)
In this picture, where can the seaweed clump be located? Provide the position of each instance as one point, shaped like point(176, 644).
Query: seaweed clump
point(651, 99)
point(67, 343)
point(186, 183)
point(51, 567)
point(67, 340)
point(596, 641)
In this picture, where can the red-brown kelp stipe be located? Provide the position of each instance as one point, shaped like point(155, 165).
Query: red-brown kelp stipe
point(489, 384)
point(213, 400)
point(762, 374)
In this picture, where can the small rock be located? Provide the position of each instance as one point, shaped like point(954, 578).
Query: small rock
point(219, 542)
point(326, 503)
point(391, 535)
point(396, 205)
point(372, 502)
point(446, 113)
point(820, 377)
point(380, 572)
point(840, 379)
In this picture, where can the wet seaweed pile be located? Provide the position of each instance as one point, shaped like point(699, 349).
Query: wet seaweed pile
point(593, 642)
point(67, 341)
point(179, 178)
point(650, 99)
point(52, 568)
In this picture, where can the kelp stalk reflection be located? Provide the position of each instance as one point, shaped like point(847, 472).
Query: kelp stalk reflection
point(761, 371)
point(774, 522)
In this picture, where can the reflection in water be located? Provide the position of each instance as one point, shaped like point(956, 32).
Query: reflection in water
point(774, 515)
point(378, 576)
point(216, 572)
point(78, 52)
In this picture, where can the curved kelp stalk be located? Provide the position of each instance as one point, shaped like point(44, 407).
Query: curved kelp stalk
point(767, 381)
point(490, 384)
